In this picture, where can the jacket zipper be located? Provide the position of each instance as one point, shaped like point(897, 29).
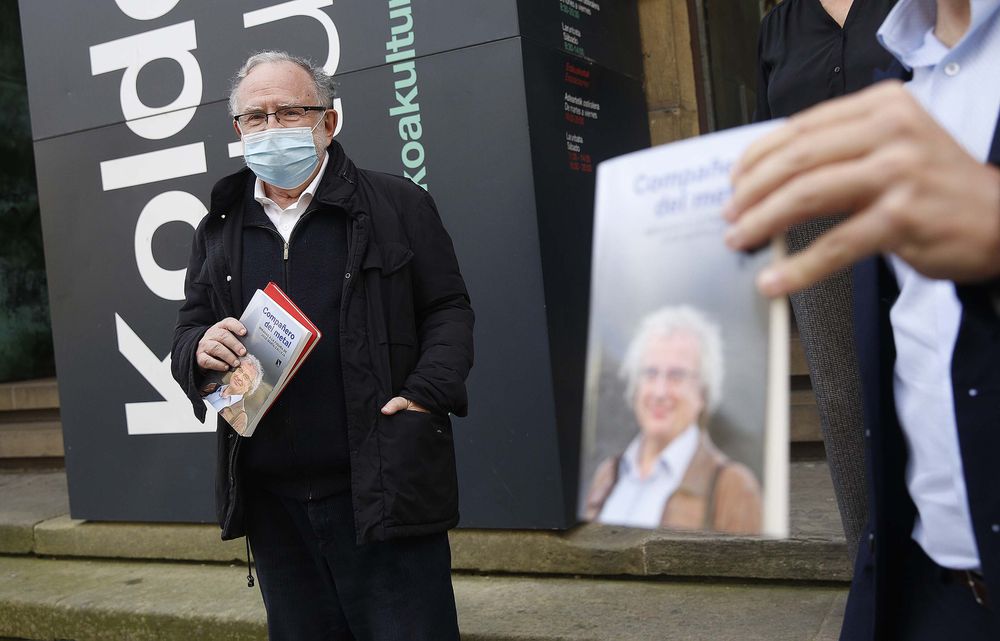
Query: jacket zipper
point(309, 488)
point(285, 244)
point(284, 264)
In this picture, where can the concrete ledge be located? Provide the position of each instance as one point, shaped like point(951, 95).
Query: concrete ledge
point(63, 536)
point(595, 550)
point(590, 550)
point(105, 601)
point(789, 559)
point(15, 539)
point(587, 550)
point(28, 499)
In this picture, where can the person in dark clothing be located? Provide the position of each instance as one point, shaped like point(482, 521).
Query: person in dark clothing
point(348, 486)
point(810, 51)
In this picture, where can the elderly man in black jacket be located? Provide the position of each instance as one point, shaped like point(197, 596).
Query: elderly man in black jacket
point(348, 486)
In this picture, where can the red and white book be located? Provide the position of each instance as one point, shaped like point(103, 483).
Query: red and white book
point(282, 299)
point(279, 338)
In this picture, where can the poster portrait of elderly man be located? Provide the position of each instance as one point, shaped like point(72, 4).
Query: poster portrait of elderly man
point(227, 398)
point(671, 474)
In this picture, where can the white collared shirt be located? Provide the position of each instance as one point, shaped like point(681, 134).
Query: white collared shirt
point(639, 502)
point(220, 402)
point(960, 88)
point(284, 219)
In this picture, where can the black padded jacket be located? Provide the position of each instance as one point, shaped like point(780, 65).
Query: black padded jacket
point(405, 330)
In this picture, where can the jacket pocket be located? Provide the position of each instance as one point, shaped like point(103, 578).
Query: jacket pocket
point(391, 261)
point(394, 330)
point(419, 479)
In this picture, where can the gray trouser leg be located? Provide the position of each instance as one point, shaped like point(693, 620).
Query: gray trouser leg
point(824, 317)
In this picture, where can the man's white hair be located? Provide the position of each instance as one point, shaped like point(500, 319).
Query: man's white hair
point(254, 362)
point(663, 323)
point(326, 90)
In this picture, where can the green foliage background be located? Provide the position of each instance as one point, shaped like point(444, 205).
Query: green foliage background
point(25, 330)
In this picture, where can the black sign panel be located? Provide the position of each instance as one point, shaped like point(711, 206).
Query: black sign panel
point(510, 128)
point(143, 59)
point(601, 31)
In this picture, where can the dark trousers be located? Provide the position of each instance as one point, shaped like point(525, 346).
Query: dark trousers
point(934, 605)
point(318, 585)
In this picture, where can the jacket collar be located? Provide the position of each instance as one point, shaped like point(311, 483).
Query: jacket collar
point(339, 185)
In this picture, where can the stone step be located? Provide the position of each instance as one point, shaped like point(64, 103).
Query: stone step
point(814, 551)
point(797, 357)
point(803, 419)
point(34, 436)
point(803, 416)
point(29, 420)
point(93, 600)
point(37, 522)
point(29, 395)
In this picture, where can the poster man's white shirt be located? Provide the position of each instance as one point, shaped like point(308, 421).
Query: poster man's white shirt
point(639, 502)
point(220, 402)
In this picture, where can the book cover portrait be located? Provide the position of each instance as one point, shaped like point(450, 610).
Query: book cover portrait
point(684, 426)
point(240, 393)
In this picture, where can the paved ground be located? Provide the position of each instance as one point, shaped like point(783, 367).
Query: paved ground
point(101, 600)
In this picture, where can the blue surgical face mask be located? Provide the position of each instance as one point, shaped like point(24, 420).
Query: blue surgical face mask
point(282, 156)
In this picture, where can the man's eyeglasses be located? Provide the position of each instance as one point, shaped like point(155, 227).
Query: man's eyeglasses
point(255, 120)
point(673, 375)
